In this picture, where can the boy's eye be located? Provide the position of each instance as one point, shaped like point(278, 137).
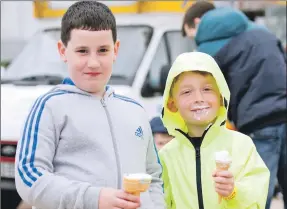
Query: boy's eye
point(83, 51)
point(103, 50)
point(206, 89)
point(186, 92)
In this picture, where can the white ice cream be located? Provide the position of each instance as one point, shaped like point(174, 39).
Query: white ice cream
point(138, 176)
point(200, 111)
point(222, 156)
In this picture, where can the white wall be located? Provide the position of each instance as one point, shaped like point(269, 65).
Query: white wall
point(18, 25)
point(18, 22)
point(7, 21)
point(15, 27)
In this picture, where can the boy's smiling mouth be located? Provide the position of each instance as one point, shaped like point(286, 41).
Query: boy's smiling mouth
point(92, 73)
point(199, 109)
point(199, 112)
point(202, 112)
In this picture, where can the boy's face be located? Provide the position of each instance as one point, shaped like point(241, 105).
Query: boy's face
point(90, 56)
point(191, 31)
point(196, 97)
point(161, 139)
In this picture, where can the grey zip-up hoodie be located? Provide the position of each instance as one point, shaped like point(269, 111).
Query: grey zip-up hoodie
point(73, 144)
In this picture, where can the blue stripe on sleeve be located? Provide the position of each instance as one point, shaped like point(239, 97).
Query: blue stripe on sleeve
point(40, 102)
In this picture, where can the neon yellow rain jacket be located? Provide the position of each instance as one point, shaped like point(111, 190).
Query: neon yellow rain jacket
point(187, 173)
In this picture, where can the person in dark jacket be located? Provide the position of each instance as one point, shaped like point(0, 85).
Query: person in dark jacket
point(254, 64)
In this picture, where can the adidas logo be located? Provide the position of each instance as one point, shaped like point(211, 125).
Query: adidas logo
point(139, 132)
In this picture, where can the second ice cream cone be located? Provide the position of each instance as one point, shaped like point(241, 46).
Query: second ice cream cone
point(223, 162)
point(222, 166)
point(135, 184)
point(138, 194)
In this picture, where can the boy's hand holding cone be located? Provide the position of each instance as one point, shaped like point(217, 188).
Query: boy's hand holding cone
point(224, 181)
point(129, 197)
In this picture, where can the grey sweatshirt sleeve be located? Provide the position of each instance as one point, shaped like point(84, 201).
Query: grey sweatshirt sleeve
point(154, 168)
point(35, 181)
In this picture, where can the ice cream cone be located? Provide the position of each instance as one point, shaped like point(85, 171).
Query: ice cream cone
point(222, 166)
point(136, 183)
point(223, 162)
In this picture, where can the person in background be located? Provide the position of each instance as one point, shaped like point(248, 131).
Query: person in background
point(160, 133)
point(253, 62)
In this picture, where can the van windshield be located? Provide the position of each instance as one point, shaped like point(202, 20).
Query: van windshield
point(40, 57)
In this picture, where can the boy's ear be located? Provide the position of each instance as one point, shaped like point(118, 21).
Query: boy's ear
point(116, 50)
point(171, 105)
point(62, 50)
point(196, 20)
point(221, 100)
point(186, 27)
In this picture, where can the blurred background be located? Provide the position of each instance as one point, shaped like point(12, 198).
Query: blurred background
point(150, 35)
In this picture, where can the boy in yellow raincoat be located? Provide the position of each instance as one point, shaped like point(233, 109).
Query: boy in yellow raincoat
point(196, 99)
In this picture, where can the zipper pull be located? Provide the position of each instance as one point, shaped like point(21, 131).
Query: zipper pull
point(103, 102)
point(197, 152)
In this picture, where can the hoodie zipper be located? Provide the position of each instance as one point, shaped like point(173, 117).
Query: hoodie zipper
point(198, 173)
point(119, 175)
point(198, 166)
point(198, 178)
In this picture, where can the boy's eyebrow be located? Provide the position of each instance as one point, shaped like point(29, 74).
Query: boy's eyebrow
point(80, 47)
point(84, 47)
point(105, 46)
point(186, 86)
point(208, 83)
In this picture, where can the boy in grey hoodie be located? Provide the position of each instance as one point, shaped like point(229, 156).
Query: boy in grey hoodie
point(81, 137)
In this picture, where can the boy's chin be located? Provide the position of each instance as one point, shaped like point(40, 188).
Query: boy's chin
point(201, 121)
point(92, 86)
point(96, 90)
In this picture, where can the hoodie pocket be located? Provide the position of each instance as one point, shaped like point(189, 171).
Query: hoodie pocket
point(146, 202)
point(100, 183)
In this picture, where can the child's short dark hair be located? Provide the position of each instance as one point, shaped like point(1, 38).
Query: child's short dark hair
point(87, 15)
point(203, 73)
point(196, 10)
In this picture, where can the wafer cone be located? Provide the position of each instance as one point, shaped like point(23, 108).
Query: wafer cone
point(135, 186)
point(222, 166)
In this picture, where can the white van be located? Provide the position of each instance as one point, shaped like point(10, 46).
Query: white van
point(149, 44)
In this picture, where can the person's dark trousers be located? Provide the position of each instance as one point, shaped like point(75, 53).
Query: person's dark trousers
point(270, 143)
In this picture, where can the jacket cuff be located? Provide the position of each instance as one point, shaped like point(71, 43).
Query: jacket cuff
point(91, 199)
point(232, 195)
point(239, 200)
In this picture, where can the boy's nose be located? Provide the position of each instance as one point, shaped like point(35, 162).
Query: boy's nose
point(198, 96)
point(93, 62)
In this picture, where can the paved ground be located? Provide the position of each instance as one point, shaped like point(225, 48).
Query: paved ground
point(276, 204)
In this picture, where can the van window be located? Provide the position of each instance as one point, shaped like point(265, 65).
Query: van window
point(171, 45)
point(160, 59)
point(179, 44)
